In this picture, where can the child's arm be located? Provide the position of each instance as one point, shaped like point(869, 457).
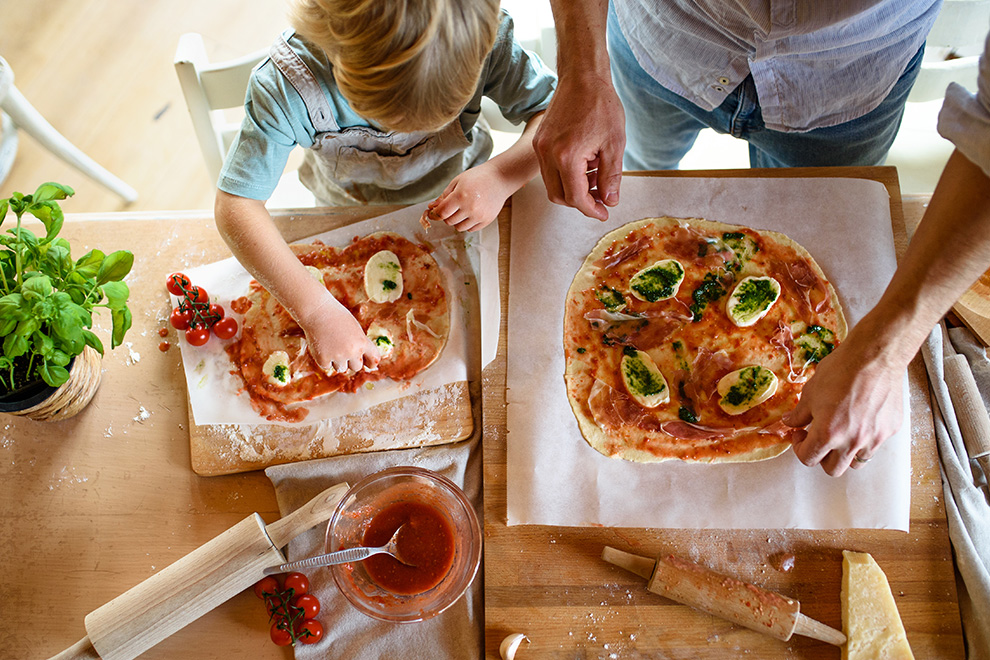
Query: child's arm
point(475, 196)
point(335, 338)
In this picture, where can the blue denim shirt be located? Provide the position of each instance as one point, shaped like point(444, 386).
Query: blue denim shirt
point(814, 63)
point(276, 118)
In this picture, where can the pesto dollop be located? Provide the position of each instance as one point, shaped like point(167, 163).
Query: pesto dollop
point(611, 298)
point(752, 299)
point(708, 291)
point(657, 282)
point(642, 378)
point(751, 381)
point(815, 343)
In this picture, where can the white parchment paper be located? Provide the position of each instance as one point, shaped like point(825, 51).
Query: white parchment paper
point(215, 394)
point(556, 478)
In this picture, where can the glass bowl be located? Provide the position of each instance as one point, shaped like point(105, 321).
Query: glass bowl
point(389, 489)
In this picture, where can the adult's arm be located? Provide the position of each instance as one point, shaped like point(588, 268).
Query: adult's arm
point(580, 142)
point(853, 403)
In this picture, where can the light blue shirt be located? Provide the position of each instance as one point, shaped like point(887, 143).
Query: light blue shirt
point(965, 118)
point(815, 63)
point(276, 118)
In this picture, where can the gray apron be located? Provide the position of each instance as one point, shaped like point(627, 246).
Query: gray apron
point(358, 165)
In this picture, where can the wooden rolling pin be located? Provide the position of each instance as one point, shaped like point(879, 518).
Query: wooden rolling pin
point(974, 421)
point(723, 596)
point(133, 622)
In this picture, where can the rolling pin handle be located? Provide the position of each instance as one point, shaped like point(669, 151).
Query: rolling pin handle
point(81, 650)
point(317, 510)
point(808, 627)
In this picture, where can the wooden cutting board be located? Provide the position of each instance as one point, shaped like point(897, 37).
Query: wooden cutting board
point(439, 416)
point(433, 417)
point(973, 309)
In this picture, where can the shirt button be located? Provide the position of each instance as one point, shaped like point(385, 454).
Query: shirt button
point(723, 81)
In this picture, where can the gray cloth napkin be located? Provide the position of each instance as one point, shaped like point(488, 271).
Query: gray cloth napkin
point(455, 634)
point(963, 482)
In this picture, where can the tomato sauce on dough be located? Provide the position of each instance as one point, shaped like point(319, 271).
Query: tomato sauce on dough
point(426, 542)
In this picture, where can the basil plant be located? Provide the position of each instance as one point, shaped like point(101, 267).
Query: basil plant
point(46, 308)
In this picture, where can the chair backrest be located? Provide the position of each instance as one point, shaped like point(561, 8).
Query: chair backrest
point(952, 49)
point(209, 88)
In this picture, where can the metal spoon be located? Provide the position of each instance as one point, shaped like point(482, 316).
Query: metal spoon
point(342, 556)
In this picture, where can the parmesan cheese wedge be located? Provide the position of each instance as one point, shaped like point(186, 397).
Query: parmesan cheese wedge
point(869, 615)
point(383, 277)
point(746, 388)
point(643, 379)
point(751, 300)
point(658, 281)
point(382, 339)
point(276, 369)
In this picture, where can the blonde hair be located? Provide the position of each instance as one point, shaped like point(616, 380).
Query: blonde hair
point(406, 64)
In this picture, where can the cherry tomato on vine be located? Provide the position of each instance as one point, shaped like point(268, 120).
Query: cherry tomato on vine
point(176, 283)
point(198, 294)
point(280, 636)
point(225, 328)
point(309, 631)
point(298, 582)
point(308, 603)
point(197, 336)
point(180, 318)
point(217, 311)
point(266, 585)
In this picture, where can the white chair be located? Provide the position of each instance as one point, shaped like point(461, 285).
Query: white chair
point(18, 113)
point(952, 49)
point(951, 55)
point(213, 90)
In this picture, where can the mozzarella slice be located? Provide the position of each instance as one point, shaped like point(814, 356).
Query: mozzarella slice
point(751, 300)
point(746, 388)
point(276, 369)
point(383, 277)
point(316, 273)
point(381, 338)
point(658, 281)
point(643, 379)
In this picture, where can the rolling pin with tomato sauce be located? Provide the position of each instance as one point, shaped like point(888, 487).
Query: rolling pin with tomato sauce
point(177, 595)
point(726, 597)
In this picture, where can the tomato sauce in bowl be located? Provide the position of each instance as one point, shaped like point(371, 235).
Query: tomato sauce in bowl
point(426, 544)
point(442, 539)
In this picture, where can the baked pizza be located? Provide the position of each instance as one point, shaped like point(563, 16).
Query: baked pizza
point(689, 339)
point(392, 286)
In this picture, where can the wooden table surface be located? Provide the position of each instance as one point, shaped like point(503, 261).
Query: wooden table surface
point(93, 505)
point(550, 584)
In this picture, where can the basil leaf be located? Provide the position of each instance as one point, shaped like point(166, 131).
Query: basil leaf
point(93, 341)
point(116, 293)
point(121, 324)
point(51, 190)
point(115, 266)
point(53, 374)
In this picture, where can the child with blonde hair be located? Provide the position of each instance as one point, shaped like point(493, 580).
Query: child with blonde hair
point(386, 97)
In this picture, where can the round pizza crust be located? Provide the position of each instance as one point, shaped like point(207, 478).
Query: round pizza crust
point(578, 371)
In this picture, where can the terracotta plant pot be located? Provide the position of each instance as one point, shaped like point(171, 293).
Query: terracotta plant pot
point(50, 404)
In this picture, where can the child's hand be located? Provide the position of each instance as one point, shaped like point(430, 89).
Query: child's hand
point(336, 340)
point(472, 200)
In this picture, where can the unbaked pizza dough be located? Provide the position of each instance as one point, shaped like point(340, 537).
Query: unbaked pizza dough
point(406, 314)
point(690, 339)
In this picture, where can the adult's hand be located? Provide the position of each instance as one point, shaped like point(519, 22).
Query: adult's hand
point(579, 145)
point(852, 404)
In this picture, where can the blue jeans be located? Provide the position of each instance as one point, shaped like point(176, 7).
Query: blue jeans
point(661, 126)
